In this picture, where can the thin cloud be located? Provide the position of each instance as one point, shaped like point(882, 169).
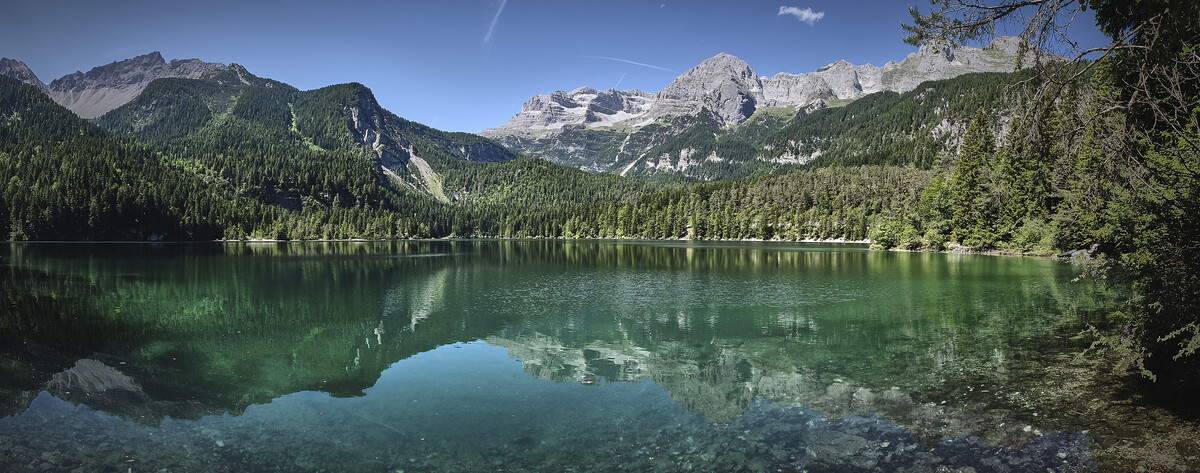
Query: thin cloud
point(626, 61)
point(488, 37)
point(804, 14)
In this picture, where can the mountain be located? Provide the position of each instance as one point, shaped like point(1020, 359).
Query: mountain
point(19, 71)
point(104, 88)
point(233, 155)
point(605, 131)
point(66, 178)
point(886, 128)
point(912, 128)
point(227, 154)
point(334, 146)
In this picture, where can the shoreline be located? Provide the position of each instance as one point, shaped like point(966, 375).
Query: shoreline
point(363, 240)
point(834, 241)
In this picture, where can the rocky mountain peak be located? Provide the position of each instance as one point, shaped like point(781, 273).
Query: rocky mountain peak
point(106, 87)
point(840, 64)
point(711, 75)
point(564, 99)
point(940, 60)
point(724, 84)
point(726, 62)
point(19, 71)
point(126, 72)
point(728, 87)
point(1007, 44)
point(608, 103)
point(936, 49)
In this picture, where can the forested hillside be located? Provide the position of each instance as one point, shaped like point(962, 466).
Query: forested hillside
point(885, 128)
point(1099, 155)
point(909, 129)
point(227, 157)
point(1106, 155)
point(330, 163)
point(65, 178)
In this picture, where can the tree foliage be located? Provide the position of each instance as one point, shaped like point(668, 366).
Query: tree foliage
point(1096, 153)
point(1130, 184)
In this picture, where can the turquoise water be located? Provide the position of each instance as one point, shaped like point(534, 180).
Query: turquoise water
point(543, 356)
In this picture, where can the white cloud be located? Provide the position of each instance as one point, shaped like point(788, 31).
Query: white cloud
point(804, 14)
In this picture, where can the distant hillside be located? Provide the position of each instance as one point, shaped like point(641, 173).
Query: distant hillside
point(261, 138)
point(281, 163)
point(62, 177)
point(104, 88)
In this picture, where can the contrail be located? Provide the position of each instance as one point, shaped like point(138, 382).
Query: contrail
point(619, 80)
point(626, 61)
point(488, 37)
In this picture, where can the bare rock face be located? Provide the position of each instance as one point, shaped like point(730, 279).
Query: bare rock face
point(840, 80)
point(610, 102)
point(400, 144)
point(724, 84)
point(104, 88)
point(486, 153)
point(784, 89)
point(585, 105)
point(729, 88)
point(937, 60)
point(19, 71)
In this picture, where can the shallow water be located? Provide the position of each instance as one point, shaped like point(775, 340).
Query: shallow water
point(518, 356)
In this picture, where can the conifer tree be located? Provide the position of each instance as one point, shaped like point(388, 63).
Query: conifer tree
point(969, 212)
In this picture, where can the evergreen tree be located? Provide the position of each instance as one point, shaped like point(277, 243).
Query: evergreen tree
point(1131, 184)
point(971, 215)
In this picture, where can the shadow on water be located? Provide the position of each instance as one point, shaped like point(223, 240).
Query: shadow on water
point(206, 329)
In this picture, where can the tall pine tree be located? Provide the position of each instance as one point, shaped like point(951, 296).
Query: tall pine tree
point(970, 212)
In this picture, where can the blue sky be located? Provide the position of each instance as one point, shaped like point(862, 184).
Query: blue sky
point(462, 65)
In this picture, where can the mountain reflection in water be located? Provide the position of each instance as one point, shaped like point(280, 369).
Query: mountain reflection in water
point(544, 355)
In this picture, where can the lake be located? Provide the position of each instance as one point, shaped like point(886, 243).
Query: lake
point(539, 356)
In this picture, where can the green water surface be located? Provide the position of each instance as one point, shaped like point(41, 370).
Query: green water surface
point(531, 356)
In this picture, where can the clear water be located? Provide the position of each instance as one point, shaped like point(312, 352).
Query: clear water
point(532, 356)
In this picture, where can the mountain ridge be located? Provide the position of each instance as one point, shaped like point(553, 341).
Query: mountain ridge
point(19, 71)
point(305, 131)
point(104, 88)
point(730, 88)
point(720, 96)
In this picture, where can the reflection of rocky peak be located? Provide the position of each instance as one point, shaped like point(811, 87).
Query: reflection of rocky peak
point(547, 358)
point(100, 386)
point(720, 383)
point(92, 377)
point(719, 390)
